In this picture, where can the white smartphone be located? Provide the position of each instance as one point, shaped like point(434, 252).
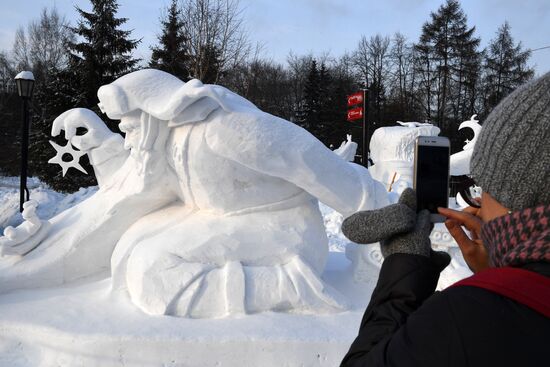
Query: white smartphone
point(431, 174)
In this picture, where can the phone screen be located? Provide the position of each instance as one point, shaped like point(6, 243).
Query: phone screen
point(432, 177)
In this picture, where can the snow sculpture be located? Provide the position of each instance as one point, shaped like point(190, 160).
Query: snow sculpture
point(206, 208)
point(25, 237)
point(347, 149)
point(65, 165)
point(460, 162)
point(392, 151)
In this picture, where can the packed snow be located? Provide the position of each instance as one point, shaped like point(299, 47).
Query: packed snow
point(73, 325)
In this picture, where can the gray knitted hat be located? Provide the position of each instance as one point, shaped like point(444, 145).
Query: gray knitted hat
point(511, 158)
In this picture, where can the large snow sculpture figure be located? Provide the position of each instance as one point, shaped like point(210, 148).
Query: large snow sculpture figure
point(212, 211)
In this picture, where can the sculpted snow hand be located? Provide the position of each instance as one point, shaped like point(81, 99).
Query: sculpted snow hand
point(69, 121)
point(207, 207)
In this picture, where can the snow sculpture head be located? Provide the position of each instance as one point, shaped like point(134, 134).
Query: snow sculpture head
point(161, 95)
point(147, 103)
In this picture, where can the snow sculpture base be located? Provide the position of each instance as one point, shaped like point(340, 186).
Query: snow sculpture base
point(86, 325)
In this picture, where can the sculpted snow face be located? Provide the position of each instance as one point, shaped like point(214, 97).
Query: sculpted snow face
point(208, 206)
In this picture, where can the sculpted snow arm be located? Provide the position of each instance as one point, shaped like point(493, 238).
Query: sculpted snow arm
point(279, 148)
point(105, 149)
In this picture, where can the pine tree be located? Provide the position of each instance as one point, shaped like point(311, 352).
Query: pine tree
point(446, 58)
point(57, 94)
point(505, 68)
point(44, 47)
point(104, 52)
point(308, 115)
point(330, 129)
point(171, 54)
point(210, 64)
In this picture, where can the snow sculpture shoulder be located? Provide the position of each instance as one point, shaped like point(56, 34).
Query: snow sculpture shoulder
point(207, 207)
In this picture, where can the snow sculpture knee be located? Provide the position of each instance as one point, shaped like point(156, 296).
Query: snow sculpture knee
point(207, 208)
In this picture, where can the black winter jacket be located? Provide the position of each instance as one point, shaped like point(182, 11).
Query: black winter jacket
point(407, 324)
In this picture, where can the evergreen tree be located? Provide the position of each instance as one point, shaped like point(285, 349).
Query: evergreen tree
point(446, 59)
point(171, 54)
point(58, 93)
point(308, 115)
point(331, 126)
point(43, 49)
point(104, 51)
point(505, 68)
point(324, 122)
point(210, 64)
point(323, 107)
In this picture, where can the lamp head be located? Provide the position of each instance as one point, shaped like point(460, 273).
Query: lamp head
point(25, 84)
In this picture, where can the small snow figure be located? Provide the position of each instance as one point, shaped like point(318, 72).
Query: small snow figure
point(347, 149)
point(26, 236)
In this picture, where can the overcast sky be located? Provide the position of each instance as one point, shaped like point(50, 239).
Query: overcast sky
point(317, 26)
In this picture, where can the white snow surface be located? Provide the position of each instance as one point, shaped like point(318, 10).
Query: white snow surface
point(28, 75)
point(50, 202)
point(86, 324)
point(75, 324)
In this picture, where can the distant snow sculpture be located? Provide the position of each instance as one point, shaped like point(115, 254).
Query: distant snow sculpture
point(414, 124)
point(207, 207)
point(392, 151)
point(347, 149)
point(460, 162)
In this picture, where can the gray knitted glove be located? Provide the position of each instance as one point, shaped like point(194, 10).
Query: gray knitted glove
point(372, 226)
point(416, 242)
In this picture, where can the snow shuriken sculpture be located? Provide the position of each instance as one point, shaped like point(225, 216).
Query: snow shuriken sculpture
point(67, 149)
point(207, 207)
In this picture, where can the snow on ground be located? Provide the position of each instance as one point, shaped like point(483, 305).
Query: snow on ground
point(333, 222)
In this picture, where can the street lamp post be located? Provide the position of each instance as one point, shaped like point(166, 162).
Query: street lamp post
point(25, 86)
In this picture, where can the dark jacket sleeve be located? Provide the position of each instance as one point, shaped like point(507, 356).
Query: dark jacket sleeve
point(388, 336)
